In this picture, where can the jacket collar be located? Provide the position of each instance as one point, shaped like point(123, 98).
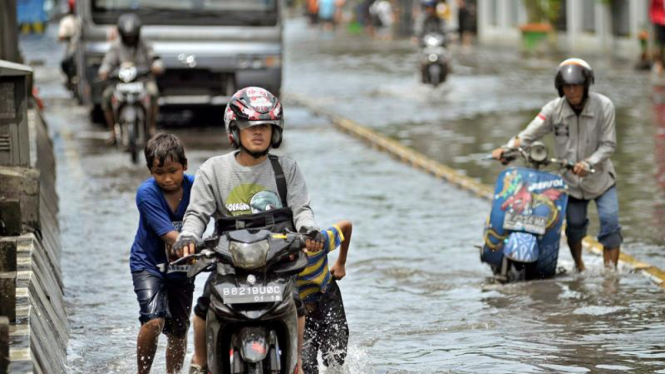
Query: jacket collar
point(588, 111)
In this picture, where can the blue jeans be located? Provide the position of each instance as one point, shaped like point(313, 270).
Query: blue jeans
point(608, 213)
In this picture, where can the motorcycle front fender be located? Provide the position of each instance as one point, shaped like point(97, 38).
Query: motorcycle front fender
point(522, 247)
point(128, 114)
point(253, 343)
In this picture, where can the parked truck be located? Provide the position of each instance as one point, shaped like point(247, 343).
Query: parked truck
point(210, 47)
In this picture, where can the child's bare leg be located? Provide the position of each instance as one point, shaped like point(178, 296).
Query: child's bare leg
point(175, 354)
point(146, 344)
point(199, 358)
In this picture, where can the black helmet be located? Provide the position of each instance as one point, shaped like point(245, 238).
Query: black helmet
point(573, 71)
point(428, 3)
point(254, 106)
point(129, 28)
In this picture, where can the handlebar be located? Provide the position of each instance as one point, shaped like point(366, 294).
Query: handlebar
point(510, 154)
point(184, 260)
point(210, 248)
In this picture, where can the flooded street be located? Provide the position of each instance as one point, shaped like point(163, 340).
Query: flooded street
point(416, 294)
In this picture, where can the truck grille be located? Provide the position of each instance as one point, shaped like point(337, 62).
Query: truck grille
point(192, 82)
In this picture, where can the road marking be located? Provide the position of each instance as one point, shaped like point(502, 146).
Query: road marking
point(438, 170)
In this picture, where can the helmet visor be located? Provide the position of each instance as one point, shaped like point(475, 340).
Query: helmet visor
point(243, 124)
point(572, 74)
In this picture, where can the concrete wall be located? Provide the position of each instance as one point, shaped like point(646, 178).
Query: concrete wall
point(31, 289)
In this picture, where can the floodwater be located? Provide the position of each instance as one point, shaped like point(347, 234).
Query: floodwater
point(416, 295)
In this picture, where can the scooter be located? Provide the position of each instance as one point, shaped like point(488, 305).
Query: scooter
point(252, 324)
point(434, 59)
point(131, 105)
point(523, 231)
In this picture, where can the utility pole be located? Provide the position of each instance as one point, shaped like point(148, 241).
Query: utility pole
point(9, 32)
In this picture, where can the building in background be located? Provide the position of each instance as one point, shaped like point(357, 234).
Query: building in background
point(583, 25)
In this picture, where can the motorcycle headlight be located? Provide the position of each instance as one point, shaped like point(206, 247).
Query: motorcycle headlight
point(538, 152)
point(249, 255)
point(127, 74)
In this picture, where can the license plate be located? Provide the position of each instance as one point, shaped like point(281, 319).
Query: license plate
point(527, 223)
point(131, 87)
point(248, 295)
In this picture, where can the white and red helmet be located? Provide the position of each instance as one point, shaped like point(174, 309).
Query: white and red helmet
point(253, 106)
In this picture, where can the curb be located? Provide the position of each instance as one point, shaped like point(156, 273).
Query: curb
point(440, 171)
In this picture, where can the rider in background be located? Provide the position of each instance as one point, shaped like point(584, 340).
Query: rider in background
point(584, 133)
point(428, 22)
point(130, 48)
point(69, 30)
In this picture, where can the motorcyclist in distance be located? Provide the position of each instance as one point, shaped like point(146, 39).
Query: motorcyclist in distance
point(428, 22)
point(130, 48)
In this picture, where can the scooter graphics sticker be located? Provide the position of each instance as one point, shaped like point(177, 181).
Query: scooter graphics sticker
point(525, 200)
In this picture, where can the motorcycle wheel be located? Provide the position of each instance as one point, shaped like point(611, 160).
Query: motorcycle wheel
point(444, 73)
point(516, 272)
point(131, 145)
point(256, 368)
point(434, 71)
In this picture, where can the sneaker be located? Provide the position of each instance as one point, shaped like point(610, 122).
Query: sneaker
point(196, 369)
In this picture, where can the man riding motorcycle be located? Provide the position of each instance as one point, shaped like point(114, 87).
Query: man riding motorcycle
point(226, 185)
point(130, 48)
point(429, 21)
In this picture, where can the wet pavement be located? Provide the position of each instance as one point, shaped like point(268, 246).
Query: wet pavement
point(416, 295)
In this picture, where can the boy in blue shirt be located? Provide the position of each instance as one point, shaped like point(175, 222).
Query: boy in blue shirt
point(326, 329)
point(164, 293)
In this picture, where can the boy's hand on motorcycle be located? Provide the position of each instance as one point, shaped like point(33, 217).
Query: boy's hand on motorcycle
point(338, 271)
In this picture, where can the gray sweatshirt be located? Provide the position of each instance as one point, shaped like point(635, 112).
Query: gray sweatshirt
point(589, 137)
point(224, 188)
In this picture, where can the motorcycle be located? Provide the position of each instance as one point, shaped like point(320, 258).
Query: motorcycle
point(252, 324)
point(434, 59)
point(131, 105)
point(523, 230)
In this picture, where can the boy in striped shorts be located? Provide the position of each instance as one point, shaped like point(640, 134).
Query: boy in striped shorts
point(326, 329)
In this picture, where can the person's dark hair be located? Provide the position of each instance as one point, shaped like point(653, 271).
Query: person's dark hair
point(164, 145)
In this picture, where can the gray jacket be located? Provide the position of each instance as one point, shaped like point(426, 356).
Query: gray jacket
point(589, 137)
point(141, 55)
point(224, 188)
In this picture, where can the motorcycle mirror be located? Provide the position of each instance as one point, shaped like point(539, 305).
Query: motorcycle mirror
point(538, 152)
